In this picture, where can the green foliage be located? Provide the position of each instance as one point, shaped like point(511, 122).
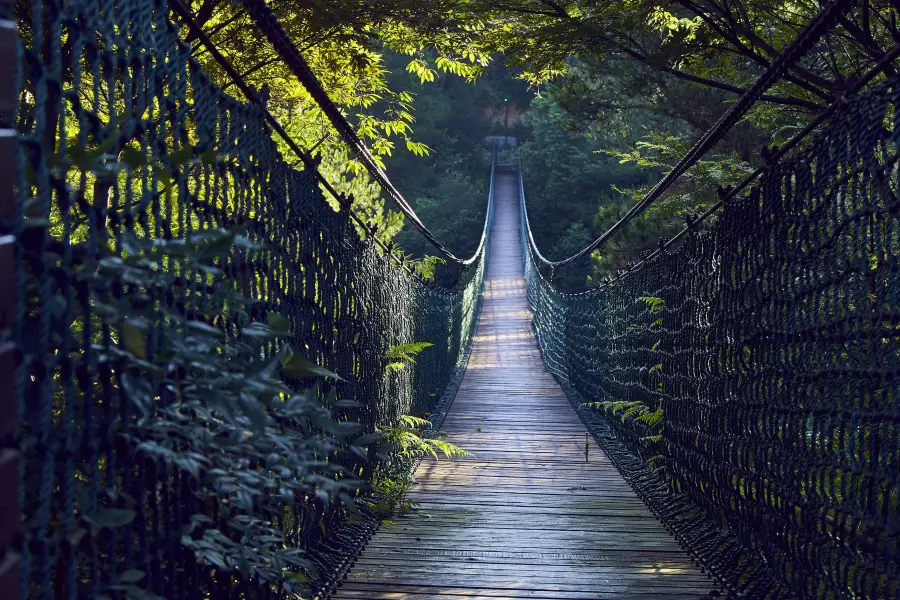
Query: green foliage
point(696, 190)
point(391, 481)
point(406, 439)
point(649, 420)
point(426, 266)
point(574, 239)
point(653, 303)
point(653, 419)
point(348, 46)
point(620, 408)
point(399, 355)
point(561, 206)
point(208, 404)
point(449, 187)
point(389, 494)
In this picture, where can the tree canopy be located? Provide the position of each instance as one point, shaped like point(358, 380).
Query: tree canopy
point(624, 81)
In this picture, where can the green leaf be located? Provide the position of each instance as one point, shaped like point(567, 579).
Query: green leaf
point(204, 328)
point(297, 366)
point(134, 339)
point(259, 331)
point(279, 323)
point(414, 422)
point(131, 576)
point(179, 157)
point(209, 157)
point(653, 303)
point(110, 517)
point(133, 157)
point(367, 439)
point(405, 351)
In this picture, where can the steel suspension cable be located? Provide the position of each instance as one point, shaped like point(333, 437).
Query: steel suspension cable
point(730, 193)
point(187, 18)
point(804, 41)
point(271, 27)
point(777, 154)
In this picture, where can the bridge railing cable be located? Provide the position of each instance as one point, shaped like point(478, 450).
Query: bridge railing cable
point(187, 18)
point(776, 154)
point(269, 24)
point(181, 286)
point(804, 41)
point(725, 195)
point(746, 380)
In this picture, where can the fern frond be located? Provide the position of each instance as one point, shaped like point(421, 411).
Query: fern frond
point(407, 351)
point(636, 409)
point(652, 419)
point(449, 450)
point(414, 422)
point(653, 303)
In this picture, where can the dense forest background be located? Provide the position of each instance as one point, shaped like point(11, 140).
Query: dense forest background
point(572, 184)
point(604, 98)
point(576, 180)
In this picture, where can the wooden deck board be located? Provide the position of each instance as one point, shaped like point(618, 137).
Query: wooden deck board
point(529, 516)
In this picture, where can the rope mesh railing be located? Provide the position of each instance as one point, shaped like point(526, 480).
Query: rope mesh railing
point(831, 13)
point(269, 25)
point(129, 150)
point(745, 382)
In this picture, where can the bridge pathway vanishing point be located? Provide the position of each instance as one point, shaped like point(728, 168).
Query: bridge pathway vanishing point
point(529, 516)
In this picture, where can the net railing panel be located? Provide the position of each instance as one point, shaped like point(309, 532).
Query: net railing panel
point(747, 381)
point(126, 146)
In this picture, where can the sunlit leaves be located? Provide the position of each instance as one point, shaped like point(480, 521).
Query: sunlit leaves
point(419, 68)
point(398, 356)
point(417, 148)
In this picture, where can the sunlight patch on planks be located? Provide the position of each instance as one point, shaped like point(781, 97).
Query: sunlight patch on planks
point(531, 514)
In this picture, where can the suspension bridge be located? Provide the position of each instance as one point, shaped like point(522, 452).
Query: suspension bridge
point(536, 513)
point(193, 345)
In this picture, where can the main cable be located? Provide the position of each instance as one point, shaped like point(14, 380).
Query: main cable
point(271, 27)
point(819, 26)
point(187, 18)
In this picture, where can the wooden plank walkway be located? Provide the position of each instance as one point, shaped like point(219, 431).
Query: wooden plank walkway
point(529, 516)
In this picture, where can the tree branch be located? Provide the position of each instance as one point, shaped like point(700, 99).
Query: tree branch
point(812, 106)
point(809, 82)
